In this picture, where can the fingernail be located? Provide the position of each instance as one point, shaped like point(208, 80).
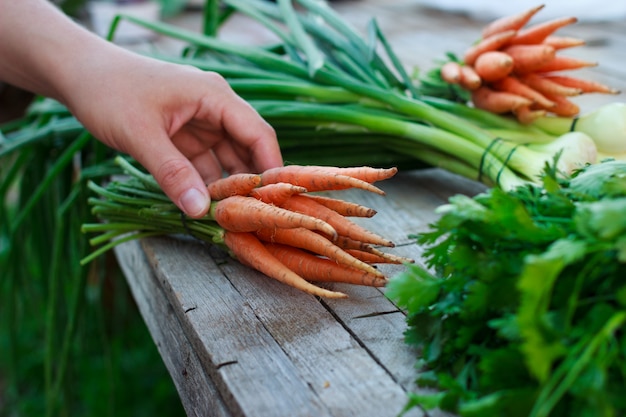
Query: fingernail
point(194, 202)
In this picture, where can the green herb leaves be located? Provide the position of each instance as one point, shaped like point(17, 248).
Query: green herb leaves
point(524, 314)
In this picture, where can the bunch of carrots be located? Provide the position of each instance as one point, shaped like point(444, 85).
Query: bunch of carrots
point(268, 221)
point(515, 68)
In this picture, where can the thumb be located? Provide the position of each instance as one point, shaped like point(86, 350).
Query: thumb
point(178, 178)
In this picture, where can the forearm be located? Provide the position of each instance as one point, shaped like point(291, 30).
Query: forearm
point(41, 50)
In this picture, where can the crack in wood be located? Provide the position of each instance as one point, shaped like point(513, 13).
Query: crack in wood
point(220, 365)
point(375, 313)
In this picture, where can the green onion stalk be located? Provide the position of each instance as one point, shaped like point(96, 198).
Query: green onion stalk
point(324, 82)
point(135, 208)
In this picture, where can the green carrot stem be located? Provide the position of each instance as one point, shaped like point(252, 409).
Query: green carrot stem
point(114, 243)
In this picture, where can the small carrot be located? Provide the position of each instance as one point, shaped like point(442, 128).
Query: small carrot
point(313, 242)
point(563, 42)
point(497, 101)
point(251, 252)
point(470, 80)
point(343, 226)
point(451, 72)
point(586, 86)
point(493, 65)
point(345, 208)
point(511, 22)
point(515, 86)
point(364, 173)
point(345, 242)
point(315, 178)
point(491, 43)
point(546, 86)
point(565, 63)
point(314, 268)
point(538, 33)
point(564, 106)
point(370, 257)
point(276, 193)
point(235, 184)
point(526, 115)
point(527, 58)
point(247, 214)
point(357, 249)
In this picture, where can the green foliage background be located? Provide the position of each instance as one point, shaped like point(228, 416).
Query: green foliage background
point(71, 339)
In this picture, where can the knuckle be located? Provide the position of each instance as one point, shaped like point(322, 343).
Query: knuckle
point(172, 173)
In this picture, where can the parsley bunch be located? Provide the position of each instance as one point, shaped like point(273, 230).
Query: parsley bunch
point(525, 313)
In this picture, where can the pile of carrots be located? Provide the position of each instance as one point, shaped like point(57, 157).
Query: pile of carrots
point(515, 68)
point(273, 222)
point(275, 226)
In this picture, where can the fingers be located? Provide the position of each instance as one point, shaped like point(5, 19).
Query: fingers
point(176, 175)
point(250, 131)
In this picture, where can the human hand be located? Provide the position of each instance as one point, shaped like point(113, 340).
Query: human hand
point(185, 126)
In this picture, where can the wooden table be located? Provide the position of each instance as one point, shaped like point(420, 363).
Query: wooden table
point(237, 343)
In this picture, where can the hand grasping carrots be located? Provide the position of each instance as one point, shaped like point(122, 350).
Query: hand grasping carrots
point(267, 221)
point(518, 67)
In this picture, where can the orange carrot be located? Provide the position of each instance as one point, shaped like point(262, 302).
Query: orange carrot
point(526, 115)
point(545, 86)
point(345, 208)
point(251, 252)
point(527, 58)
point(586, 86)
point(515, 86)
point(343, 226)
point(369, 257)
point(313, 242)
point(451, 72)
point(512, 22)
point(368, 253)
point(493, 65)
point(491, 43)
point(235, 184)
point(276, 193)
point(345, 242)
point(539, 32)
point(565, 63)
point(497, 101)
point(564, 107)
point(315, 178)
point(364, 173)
point(563, 42)
point(247, 214)
point(470, 80)
point(314, 268)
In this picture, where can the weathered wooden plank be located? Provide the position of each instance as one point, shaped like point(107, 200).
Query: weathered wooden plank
point(250, 370)
point(197, 392)
point(335, 365)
